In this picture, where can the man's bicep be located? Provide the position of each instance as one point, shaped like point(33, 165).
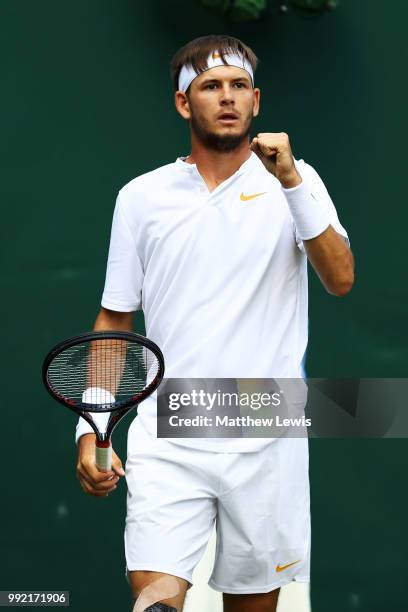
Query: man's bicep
point(112, 319)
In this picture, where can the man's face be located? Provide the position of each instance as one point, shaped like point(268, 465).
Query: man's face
point(220, 106)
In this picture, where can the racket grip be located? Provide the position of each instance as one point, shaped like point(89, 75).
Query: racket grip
point(103, 457)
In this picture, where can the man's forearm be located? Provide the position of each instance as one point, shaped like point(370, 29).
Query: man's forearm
point(332, 261)
point(105, 321)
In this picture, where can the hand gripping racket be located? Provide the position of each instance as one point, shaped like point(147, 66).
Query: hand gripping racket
point(100, 372)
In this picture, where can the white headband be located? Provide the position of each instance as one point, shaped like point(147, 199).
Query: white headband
point(188, 74)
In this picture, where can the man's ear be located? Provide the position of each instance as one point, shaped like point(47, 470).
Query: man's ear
point(182, 104)
point(257, 100)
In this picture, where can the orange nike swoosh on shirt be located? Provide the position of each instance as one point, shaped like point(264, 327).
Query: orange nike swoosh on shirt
point(280, 568)
point(244, 198)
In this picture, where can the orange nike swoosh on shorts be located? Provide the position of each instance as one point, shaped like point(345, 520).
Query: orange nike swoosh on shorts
point(280, 568)
point(244, 198)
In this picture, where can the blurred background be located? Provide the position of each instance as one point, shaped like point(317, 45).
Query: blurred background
point(86, 106)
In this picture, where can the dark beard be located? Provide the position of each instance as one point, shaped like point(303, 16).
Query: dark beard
point(221, 144)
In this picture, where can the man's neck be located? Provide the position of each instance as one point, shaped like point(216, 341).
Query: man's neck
point(216, 167)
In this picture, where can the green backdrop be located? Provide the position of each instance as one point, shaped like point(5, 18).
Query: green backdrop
point(86, 105)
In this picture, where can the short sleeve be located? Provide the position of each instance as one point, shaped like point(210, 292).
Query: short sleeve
point(124, 271)
point(319, 192)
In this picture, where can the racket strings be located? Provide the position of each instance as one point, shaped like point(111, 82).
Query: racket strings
point(103, 372)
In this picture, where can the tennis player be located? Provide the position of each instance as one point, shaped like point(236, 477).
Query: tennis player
point(214, 248)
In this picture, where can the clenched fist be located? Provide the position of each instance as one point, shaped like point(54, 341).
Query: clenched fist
point(276, 155)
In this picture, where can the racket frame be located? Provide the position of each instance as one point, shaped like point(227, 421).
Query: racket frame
point(119, 409)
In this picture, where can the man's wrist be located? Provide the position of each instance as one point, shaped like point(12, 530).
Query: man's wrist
point(311, 216)
point(291, 181)
point(85, 440)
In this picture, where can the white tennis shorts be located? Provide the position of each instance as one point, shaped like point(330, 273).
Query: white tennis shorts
point(258, 500)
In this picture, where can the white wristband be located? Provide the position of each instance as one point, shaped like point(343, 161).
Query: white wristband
point(310, 215)
point(94, 395)
point(97, 395)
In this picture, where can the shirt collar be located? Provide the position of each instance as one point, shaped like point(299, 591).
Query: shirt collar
point(183, 165)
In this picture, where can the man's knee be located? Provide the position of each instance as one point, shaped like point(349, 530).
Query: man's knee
point(157, 592)
point(257, 602)
point(159, 607)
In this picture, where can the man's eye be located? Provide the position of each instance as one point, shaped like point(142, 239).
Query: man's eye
point(214, 85)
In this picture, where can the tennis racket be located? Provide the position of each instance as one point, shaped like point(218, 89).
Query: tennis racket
point(100, 372)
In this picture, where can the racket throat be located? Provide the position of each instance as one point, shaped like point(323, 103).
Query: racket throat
point(102, 442)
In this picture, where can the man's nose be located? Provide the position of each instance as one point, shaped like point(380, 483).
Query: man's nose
point(227, 95)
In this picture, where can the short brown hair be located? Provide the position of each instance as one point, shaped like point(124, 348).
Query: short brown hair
point(195, 53)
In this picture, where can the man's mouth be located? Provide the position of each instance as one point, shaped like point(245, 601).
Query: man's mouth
point(228, 117)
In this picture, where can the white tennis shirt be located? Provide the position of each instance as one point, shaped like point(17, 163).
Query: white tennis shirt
point(221, 276)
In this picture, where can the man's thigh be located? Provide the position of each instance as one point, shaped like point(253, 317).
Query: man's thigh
point(170, 512)
point(263, 522)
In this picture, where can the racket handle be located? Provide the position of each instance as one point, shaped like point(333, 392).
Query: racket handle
point(103, 457)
